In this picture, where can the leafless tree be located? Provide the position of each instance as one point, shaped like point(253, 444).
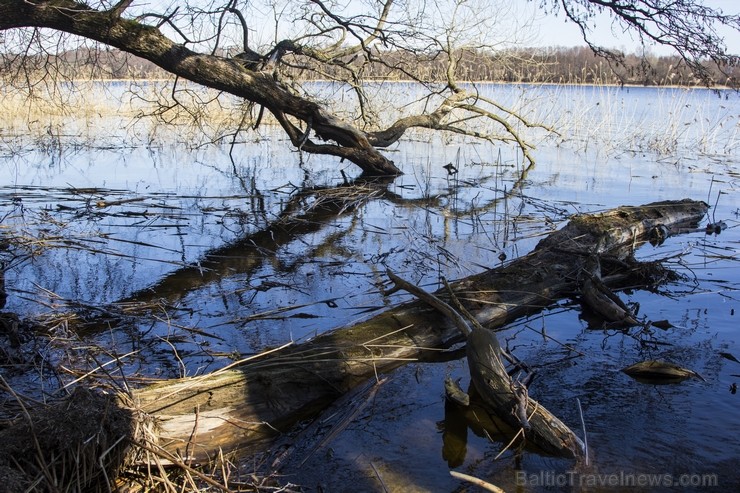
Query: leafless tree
point(691, 28)
point(261, 52)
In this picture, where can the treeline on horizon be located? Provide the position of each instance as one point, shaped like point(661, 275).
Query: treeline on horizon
point(580, 65)
point(555, 65)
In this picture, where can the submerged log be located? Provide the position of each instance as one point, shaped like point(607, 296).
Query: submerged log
point(237, 407)
point(660, 372)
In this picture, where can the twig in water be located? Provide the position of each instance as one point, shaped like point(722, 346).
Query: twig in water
point(583, 424)
point(508, 445)
point(377, 475)
point(518, 433)
point(116, 359)
point(478, 482)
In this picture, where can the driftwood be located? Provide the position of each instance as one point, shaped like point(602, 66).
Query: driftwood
point(507, 398)
point(236, 408)
point(233, 408)
point(660, 372)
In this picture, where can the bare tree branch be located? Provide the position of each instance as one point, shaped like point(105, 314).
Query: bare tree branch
point(436, 44)
point(687, 26)
point(208, 70)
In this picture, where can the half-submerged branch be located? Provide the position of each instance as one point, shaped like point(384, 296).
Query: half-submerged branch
point(503, 396)
point(241, 406)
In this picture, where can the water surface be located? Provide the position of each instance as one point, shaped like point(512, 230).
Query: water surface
point(221, 256)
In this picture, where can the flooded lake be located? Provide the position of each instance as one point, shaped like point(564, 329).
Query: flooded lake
point(179, 259)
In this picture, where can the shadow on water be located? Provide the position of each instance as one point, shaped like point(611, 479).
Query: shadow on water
point(307, 211)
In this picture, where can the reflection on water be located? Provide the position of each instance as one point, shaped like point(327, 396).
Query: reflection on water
point(189, 258)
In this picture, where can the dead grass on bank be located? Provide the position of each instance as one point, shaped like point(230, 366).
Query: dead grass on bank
point(98, 441)
point(95, 438)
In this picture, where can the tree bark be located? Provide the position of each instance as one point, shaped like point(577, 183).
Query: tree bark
point(243, 406)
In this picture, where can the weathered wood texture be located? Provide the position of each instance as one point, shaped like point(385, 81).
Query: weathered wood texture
point(501, 396)
point(496, 389)
point(237, 407)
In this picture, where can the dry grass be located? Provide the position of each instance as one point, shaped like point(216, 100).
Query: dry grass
point(341, 199)
point(96, 439)
point(74, 445)
point(89, 115)
point(91, 441)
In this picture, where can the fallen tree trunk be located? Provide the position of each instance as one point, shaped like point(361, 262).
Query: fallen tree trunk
point(235, 408)
point(232, 408)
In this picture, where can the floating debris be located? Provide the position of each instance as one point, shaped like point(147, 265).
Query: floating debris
point(451, 169)
point(730, 357)
point(716, 228)
point(660, 372)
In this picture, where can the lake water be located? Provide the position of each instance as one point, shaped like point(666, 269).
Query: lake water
point(185, 239)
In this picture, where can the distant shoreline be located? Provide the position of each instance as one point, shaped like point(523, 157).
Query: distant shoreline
point(720, 87)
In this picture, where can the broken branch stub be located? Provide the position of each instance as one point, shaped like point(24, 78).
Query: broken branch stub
point(497, 390)
point(503, 396)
